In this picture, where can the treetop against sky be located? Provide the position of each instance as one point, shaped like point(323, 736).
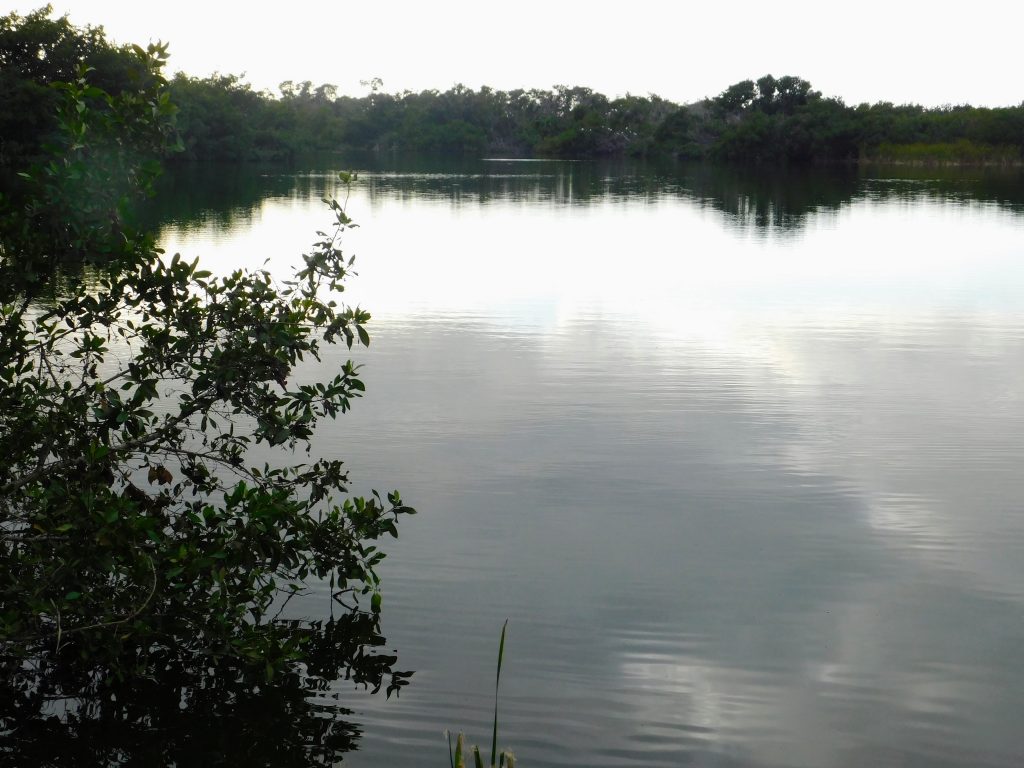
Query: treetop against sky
point(909, 52)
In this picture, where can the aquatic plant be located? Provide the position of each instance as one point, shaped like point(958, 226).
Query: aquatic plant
point(456, 757)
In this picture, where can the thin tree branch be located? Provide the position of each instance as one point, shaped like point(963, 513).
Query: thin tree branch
point(128, 445)
point(129, 617)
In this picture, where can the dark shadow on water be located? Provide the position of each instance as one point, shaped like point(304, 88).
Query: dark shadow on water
point(181, 708)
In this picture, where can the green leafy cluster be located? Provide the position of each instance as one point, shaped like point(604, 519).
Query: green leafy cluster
point(36, 51)
point(152, 515)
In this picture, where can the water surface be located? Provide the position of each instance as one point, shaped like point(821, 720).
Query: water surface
point(737, 454)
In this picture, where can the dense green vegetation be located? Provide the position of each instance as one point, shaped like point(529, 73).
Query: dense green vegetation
point(37, 51)
point(772, 120)
point(160, 503)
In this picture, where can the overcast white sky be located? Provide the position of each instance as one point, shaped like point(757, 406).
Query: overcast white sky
point(902, 51)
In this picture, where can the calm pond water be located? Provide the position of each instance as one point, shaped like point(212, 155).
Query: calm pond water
point(739, 455)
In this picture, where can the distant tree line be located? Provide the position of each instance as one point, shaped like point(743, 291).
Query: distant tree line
point(771, 120)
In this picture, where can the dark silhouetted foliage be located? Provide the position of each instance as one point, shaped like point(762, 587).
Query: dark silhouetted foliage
point(770, 120)
point(154, 517)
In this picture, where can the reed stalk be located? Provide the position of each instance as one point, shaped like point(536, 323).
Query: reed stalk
point(506, 759)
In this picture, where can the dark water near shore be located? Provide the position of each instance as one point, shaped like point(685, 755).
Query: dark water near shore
point(738, 454)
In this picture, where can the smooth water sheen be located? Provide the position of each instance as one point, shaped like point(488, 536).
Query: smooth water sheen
point(738, 455)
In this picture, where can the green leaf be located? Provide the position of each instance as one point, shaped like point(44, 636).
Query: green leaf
point(497, 680)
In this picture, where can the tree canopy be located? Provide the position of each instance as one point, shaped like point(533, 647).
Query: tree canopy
point(772, 119)
point(767, 120)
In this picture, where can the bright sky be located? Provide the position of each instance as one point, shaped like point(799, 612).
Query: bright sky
point(933, 52)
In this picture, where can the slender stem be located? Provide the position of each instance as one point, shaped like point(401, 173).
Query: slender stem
point(130, 616)
point(497, 680)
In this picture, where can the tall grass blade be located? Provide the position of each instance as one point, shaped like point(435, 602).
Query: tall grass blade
point(497, 680)
point(478, 762)
point(459, 744)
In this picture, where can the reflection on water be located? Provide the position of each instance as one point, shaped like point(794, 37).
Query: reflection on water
point(183, 707)
point(737, 454)
point(779, 200)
